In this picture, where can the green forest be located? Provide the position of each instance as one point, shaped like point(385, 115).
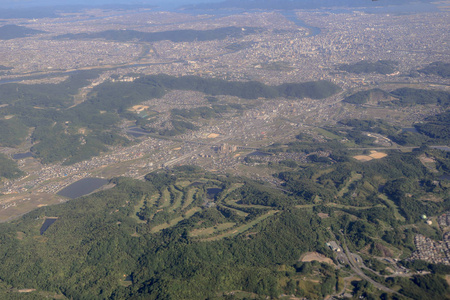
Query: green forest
point(381, 67)
point(189, 234)
point(8, 32)
point(401, 97)
point(437, 68)
point(8, 168)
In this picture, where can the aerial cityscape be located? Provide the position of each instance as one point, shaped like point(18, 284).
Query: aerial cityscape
point(221, 151)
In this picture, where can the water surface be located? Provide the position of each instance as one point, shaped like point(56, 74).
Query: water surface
point(47, 223)
point(22, 155)
point(82, 187)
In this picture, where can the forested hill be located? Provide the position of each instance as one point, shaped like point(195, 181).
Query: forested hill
point(437, 68)
point(189, 234)
point(380, 67)
point(8, 32)
point(117, 97)
point(9, 168)
point(400, 97)
point(174, 35)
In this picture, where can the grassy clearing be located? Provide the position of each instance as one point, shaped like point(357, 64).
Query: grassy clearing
point(231, 189)
point(165, 198)
point(305, 206)
point(310, 288)
point(183, 183)
point(189, 197)
point(242, 228)
point(353, 178)
point(237, 206)
point(178, 197)
point(191, 212)
point(172, 222)
point(328, 134)
point(352, 207)
point(392, 205)
point(237, 211)
point(137, 208)
point(211, 230)
point(320, 173)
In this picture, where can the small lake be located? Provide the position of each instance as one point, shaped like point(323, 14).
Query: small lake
point(82, 187)
point(212, 192)
point(22, 155)
point(47, 223)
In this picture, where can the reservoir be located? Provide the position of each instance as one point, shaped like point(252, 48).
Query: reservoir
point(47, 223)
point(82, 187)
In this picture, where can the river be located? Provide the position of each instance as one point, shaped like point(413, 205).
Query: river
point(291, 16)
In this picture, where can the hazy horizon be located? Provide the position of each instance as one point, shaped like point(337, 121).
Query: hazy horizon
point(18, 4)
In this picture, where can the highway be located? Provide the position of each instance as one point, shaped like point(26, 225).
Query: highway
point(354, 265)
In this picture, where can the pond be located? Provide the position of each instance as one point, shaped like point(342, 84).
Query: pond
point(445, 177)
point(82, 187)
point(47, 223)
point(22, 155)
point(212, 192)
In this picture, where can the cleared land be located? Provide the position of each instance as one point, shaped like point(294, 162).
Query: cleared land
point(372, 155)
point(344, 190)
point(211, 230)
point(242, 228)
point(311, 256)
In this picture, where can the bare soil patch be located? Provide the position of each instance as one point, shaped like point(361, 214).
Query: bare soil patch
point(323, 215)
point(372, 155)
point(363, 157)
point(311, 256)
point(377, 155)
point(139, 108)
